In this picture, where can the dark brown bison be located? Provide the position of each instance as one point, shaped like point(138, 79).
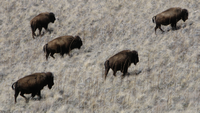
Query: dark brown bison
point(121, 61)
point(32, 84)
point(41, 21)
point(170, 16)
point(62, 45)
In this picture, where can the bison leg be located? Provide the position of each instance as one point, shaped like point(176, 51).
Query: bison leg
point(33, 95)
point(22, 94)
point(124, 71)
point(106, 72)
point(47, 55)
point(62, 51)
point(46, 28)
point(173, 25)
point(40, 29)
point(39, 95)
point(52, 55)
point(33, 32)
point(156, 28)
point(62, 54)
point(16, 94)
point(160, 28)
point(114, 72)
point(123, 75)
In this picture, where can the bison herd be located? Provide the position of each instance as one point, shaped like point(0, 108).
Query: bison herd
point(34, 83)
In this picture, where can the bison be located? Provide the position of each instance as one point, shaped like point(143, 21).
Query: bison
point(121, 61)
point(62, 45)
point(41, 21)
point(170, 16)
point(32, 84)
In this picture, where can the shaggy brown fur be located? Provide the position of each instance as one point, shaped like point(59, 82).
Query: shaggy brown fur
point(32, 84)
point(41, 21)
point(121, 61)
point(170, 16)
point(62, 45)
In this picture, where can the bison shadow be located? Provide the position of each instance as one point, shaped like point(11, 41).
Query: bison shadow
point(37, 98)
point(44, 32)
point(50, 30)
point(174, 29)
point(34, 99)
point(171, 29)
point(134, 73)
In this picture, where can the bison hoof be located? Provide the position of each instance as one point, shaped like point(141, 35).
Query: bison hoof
point(122, 76)
point(27, 100)
point(50, 30)
point(42, 34)
point(70, 56)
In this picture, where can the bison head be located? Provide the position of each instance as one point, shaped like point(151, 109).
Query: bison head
point(77, 43)
point(52, 17)
point(49, 78)
point(134, 58)
point(184, 14)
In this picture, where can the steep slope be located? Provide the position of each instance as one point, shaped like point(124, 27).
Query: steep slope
point(165, 80)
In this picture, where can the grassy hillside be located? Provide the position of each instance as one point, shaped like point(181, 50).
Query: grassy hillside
point(165, 80)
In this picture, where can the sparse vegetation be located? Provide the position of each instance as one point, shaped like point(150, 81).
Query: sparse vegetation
point(165, 80)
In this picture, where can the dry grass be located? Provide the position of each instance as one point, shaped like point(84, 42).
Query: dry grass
point(165, 80)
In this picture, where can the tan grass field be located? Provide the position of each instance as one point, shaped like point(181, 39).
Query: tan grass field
point(166, 80)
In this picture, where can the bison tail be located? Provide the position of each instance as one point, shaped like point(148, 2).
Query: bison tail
point(106, 64)
point(154, 19)
point(33, 28)
point(107, 67)
point(13, 86)
point(45, 48)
